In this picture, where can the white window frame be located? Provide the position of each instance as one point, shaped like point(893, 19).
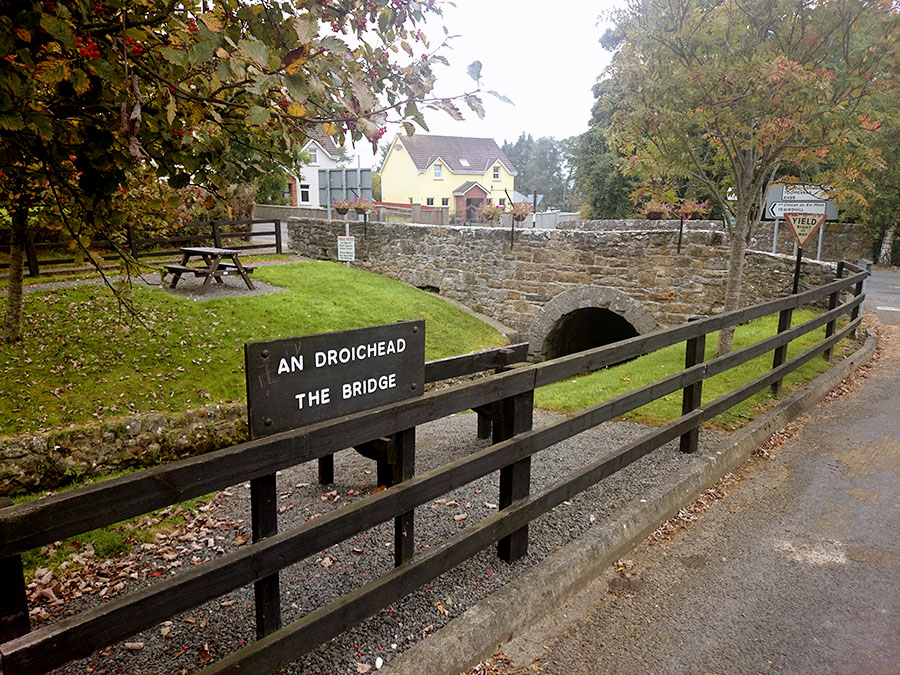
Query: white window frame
point(429, 201)
point(497, 172)
point(438, 171)
point(445, 201)
point(303, 189)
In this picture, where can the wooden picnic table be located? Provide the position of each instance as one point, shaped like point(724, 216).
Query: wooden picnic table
point(214, 267)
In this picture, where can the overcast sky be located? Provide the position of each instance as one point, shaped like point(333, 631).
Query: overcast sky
point(544, 56)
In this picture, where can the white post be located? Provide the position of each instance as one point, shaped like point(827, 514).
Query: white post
point(819, 247)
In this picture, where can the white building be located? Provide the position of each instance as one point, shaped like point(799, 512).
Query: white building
point(324, 154)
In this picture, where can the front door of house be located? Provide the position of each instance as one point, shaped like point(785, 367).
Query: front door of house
point(472, 209)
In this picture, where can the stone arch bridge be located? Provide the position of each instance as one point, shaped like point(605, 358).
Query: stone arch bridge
point(563, 290)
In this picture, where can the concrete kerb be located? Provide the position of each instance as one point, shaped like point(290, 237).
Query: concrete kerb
point(480, 631)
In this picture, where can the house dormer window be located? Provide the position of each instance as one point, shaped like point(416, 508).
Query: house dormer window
point(313, 156)
point(438, 171)
point(497, 172)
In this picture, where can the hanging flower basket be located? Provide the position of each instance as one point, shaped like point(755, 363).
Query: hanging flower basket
point(341, 210)
point(654, 210)
point(519, 211)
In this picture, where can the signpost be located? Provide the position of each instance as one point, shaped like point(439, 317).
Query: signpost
point(794, 198)
point(803, 226)
point(298, 381)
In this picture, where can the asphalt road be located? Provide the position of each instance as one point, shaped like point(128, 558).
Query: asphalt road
point(796, 570)
point(883, 296)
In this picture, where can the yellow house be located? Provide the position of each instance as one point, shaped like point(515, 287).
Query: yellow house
point(451, 171)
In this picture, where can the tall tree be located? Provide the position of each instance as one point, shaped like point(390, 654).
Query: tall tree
point(90, 91)
point(727, 94)
point(880, 212)
point(540, 166)
point(606, 192)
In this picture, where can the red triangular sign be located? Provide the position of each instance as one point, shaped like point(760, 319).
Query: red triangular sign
point(804, 225)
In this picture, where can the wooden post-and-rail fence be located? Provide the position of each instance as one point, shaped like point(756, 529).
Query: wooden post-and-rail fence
point(207, 233)
point(504, 397)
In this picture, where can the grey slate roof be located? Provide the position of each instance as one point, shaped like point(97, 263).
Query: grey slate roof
point(480, 153)
point(326, 142)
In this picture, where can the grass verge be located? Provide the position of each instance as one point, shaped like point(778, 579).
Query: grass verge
point(83, 359)
point(589, 389)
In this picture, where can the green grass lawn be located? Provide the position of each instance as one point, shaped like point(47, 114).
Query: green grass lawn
point(590, 389)
point(82, 359)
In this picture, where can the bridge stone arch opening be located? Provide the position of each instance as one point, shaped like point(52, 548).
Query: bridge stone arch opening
point(584, 318)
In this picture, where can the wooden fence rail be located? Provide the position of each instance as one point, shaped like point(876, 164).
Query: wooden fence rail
point(505, 397)
point(210, 233)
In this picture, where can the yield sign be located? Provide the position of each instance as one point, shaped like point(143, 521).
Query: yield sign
point(803, 225)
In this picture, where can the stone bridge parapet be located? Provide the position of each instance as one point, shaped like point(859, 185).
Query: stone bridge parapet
point(533, 278)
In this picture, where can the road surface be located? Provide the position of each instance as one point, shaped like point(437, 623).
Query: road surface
point(796, 570)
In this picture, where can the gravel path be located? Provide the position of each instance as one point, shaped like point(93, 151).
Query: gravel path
point(197, 638)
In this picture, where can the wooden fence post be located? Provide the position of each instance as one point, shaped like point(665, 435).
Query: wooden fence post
point(784, 322)
point(217, 236)
point(514, 416)
point(691, 396)
point(31, 256)
point(858, 290)
point(264, 523)
point(326, 470)
point(832, 303)
point(14, 620)
point(403, 464)
point(279, 245)
point(132, 243)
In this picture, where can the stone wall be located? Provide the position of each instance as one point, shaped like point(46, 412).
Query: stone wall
point(643, 225)
point(278, 212)
point(641, 271)
point(50, 460)
point(840, 241)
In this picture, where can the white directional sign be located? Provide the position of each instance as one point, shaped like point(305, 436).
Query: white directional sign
point(802, 193)
point(781, 199)
point(778, 209)
point(803, 225)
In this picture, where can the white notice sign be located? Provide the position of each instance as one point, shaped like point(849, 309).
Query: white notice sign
point(346, 249)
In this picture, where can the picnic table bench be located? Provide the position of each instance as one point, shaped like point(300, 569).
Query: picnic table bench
point(214, 267)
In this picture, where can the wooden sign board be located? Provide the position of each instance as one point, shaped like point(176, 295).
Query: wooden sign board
point(298, 381)
point(804, 225)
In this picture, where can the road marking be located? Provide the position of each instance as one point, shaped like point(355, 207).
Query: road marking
point(889, 309)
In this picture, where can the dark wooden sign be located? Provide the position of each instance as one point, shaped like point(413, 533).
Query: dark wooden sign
point(298, 381)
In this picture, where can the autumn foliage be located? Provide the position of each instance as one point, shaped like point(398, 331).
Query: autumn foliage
point(97, 97)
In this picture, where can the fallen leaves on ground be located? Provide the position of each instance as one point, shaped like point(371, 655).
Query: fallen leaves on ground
point(695, 510)
point(84, 573)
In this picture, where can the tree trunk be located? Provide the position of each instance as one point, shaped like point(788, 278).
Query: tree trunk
point(887, 245)
point(735, 277)
point(12, 324)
